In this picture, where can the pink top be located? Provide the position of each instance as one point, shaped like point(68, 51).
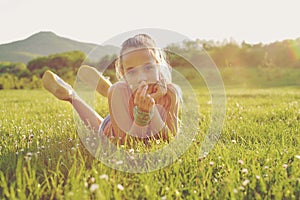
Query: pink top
point(167, 107)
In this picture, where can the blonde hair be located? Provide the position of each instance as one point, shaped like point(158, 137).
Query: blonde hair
point(138, 42)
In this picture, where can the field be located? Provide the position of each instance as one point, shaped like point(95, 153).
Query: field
point(256, 157)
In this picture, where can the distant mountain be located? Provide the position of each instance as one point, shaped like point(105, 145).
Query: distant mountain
point(46, 43)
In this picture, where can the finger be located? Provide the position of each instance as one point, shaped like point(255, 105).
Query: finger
point(154, 95)
point(155, 87)
point(137, 94)
point(140, 95)
point(151, 88)
point(143, 83)
point(148, 103)
point(144, 91)
point(139, 89)
point(151, 101)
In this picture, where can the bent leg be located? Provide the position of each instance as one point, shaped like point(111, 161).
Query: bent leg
point(64, 91)
point(93, 78)
point(87, 114)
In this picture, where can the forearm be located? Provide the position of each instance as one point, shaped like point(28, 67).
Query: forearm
point(138, 131)
point(165, 125)
point(143, 129)
point(157, 123)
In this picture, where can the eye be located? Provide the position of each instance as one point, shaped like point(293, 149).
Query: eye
point(131, 71)
point(149, 67)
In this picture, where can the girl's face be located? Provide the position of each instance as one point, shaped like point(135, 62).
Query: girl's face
point(138, 66)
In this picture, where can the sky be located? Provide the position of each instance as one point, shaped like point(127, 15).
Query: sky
point(96, 21)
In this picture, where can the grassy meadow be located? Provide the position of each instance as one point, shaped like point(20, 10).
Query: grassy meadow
point(256, 157)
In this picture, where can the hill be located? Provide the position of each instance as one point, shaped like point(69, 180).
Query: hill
point(46, 43)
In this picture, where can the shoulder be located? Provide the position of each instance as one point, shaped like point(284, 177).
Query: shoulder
point(119, 91)
point(119, 86)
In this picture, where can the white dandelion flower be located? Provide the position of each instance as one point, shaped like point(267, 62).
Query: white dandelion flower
point(120, 187)
point(245, 182)
point(163, 197)
point(120, 162)
point(94, 187)
point(241, 162)
point(104, 176)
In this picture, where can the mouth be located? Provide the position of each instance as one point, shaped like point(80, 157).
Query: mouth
point(151, 89)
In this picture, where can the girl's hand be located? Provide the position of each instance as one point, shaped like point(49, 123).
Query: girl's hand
point(160, 89)
point(143, 100)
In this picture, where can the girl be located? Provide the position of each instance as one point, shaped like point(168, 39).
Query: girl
point(144, 102)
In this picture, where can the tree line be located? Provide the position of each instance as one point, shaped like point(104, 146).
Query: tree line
point(231, 54)
point(283, 54)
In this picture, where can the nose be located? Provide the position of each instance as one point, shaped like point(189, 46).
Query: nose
point(142, 76)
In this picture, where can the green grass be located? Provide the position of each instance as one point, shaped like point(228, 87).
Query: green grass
point(259, 77)
point(257, 156)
